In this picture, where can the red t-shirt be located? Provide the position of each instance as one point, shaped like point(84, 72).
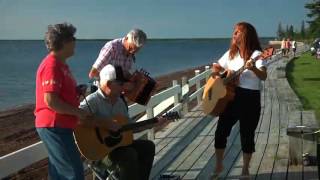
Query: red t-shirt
point(54, 76)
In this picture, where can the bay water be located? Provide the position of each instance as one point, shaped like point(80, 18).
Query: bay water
point(19, 60)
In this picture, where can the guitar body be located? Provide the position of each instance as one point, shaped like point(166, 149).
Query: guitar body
point(223, 102)
point(96, 143)
point(94, 148)
point(214, 90)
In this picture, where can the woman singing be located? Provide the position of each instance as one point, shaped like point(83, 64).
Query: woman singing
point(245, 107)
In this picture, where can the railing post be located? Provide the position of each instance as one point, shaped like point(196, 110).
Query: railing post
point(176, 97)
point(149, 116)
point(207, 77)
point(185, 103)
point(197, 72)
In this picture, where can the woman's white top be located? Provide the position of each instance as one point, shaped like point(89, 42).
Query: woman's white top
point(283, 44)
point(293, 44)
point(248, 78)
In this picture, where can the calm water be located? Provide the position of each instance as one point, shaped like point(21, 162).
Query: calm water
point(19, 61)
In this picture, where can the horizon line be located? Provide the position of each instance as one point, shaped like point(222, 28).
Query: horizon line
point(103, 39)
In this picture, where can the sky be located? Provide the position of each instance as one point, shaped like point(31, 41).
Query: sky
point(108, 19)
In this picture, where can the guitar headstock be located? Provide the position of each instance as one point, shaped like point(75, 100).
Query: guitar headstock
point(171, 115)
point(266, 53)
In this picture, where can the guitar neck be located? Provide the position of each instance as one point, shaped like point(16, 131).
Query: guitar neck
point(135, 126)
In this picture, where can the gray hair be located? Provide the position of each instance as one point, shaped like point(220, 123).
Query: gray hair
point(58, 34)
point(137, 37)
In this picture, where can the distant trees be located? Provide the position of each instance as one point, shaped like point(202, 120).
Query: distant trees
point(280, 32)
point(289, 32)
point(303, 31)
point(314, 15)
point(313, 31)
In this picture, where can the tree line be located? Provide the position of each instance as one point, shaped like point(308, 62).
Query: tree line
point(303, 33)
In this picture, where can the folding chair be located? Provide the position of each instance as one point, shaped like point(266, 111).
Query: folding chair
point(103, 172)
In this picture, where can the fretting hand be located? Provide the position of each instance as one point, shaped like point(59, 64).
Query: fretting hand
point(161, 121)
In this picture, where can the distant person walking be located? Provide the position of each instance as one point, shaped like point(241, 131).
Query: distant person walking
point(283, 46)
point(287, 47)
point(294, 47)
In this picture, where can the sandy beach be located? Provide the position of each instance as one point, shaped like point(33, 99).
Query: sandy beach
point(18, 131)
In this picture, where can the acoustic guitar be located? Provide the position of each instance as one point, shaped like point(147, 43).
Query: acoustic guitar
point(95, 143)
point(217, 93)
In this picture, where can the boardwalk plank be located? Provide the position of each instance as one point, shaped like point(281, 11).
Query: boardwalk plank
point(269, 156)
point(263, 135)
point(282, 157)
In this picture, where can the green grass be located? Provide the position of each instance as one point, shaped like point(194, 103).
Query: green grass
point(303, 74)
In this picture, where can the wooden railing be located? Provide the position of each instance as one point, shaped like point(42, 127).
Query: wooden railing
point(175, 97)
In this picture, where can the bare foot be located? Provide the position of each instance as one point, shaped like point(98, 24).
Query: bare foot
point(219, 168)
point(217, 171)
point(245, 175)
point(245, 172)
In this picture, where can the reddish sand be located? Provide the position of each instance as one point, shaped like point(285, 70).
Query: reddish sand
point(17, 128)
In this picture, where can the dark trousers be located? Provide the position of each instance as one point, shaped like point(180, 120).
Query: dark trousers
point(246, 108)
point(135, 161)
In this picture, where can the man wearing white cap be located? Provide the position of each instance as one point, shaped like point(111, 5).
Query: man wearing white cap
point(135, 161)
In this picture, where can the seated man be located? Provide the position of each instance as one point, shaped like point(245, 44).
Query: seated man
point(135, 161)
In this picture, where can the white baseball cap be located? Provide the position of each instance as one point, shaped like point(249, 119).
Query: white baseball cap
point(110, 72)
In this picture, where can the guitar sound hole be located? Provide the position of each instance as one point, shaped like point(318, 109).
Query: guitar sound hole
point(114, 139)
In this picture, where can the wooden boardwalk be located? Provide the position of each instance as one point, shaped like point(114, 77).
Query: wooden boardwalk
point(186, 147)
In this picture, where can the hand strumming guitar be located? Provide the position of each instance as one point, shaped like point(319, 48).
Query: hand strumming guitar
point(216, 69)
point(250, 65)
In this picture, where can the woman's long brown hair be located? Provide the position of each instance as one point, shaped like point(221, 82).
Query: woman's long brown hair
point(249, 41)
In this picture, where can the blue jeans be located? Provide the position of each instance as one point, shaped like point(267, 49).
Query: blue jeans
point(64, 157)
